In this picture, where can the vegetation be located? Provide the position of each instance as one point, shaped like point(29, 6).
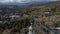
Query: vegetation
point(16, 25)
point(38, 29)
point(48, 15)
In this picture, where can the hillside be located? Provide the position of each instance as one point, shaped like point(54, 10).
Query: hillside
point(49, 13)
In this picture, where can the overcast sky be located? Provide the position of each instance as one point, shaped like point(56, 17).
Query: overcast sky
point(22, 1)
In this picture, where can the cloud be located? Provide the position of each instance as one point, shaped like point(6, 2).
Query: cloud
point(21, 1)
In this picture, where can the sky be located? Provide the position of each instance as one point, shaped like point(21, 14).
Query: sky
point(23, 1)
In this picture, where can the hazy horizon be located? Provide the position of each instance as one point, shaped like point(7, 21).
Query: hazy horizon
point(22, 1)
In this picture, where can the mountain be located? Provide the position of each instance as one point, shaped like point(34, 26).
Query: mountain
point(26, 4)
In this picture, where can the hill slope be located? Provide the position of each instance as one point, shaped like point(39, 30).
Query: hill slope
point(49, 13)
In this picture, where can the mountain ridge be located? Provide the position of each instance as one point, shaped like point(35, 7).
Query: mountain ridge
point(25, 4)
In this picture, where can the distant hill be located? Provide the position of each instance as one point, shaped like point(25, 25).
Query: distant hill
point(26, 4)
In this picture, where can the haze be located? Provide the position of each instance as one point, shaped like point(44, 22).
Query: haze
point(23, 1)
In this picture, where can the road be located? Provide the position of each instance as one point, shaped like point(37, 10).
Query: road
point(45, 29)
point(31, 30)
